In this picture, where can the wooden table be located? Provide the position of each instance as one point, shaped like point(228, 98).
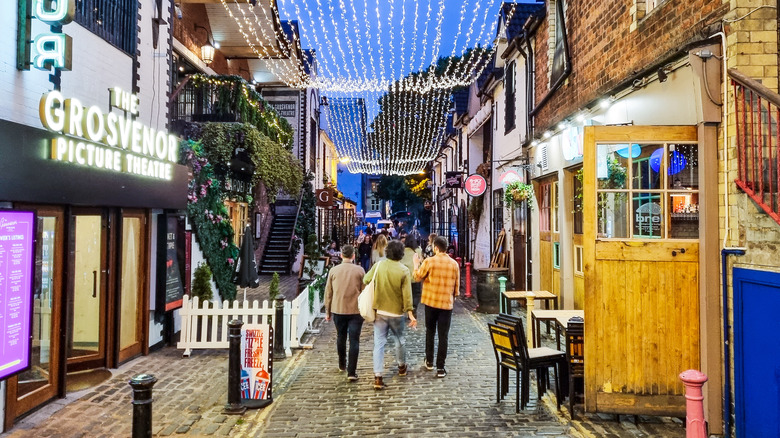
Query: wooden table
point(559, 317)
point(516, 295)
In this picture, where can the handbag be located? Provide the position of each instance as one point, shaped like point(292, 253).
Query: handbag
point(366, 299)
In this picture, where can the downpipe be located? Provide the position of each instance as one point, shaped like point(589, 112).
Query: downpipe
point(724, 253)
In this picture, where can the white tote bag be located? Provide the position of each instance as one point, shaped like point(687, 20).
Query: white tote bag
point(366, 299)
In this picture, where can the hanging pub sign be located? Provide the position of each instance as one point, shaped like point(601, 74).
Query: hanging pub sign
point(256, 365)
point(453, 180)
point(17, 245)
point(169, 283)
point(45, 50)
point(508, 177)
point(475, 185)
point(324, 198)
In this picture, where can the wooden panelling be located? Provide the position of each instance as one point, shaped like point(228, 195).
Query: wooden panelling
point(660, 405)
point(579, 292)
point(545, 266)
point(638, 134)
point(683, 251)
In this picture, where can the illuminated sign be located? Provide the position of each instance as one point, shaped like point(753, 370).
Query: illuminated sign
point(110, 140)
point(17, 249)
point(46, 50)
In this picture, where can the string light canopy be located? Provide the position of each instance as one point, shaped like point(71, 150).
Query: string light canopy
point(384, 65)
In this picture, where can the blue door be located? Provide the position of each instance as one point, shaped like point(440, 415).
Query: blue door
point(756, 353)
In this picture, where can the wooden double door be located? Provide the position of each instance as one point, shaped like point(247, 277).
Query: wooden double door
point(641, 254)
point(90, 303)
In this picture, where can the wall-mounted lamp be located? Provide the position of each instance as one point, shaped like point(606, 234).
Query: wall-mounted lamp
point(207, 50)
point(663, 72)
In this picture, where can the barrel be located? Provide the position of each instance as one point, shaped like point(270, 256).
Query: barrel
point(488, 293)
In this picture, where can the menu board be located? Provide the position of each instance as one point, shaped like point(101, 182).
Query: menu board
point(16, 279)
point(169, 278)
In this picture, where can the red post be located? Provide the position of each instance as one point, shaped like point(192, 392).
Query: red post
point(468, 279)
point(459, 260)
point(695, 426)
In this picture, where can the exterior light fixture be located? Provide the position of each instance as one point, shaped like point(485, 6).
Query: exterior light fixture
point(605, 103)
point(535, 142)
point(581, 118)
point(344, 160)
point(562, 126)
point(206, 50)
point(547, 134)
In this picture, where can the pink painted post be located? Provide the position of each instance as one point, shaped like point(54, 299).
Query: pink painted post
point(695, 426)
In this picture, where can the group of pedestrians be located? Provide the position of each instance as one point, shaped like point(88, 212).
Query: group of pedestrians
point(404, 276)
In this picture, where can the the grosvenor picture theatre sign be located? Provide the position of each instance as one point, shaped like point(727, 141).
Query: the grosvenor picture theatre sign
point(45, 50)
point(112, 141)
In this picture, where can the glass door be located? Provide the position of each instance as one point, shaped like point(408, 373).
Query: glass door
point(40, 383)
point(87, 298)
point(133, 266)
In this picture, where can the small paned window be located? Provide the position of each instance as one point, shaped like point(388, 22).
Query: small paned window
point(544, 207)
point(647, 191)
point(577, 202)
point(554, 207)
point(556, 254)
point(578, 260)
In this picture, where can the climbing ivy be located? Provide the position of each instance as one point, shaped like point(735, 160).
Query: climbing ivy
point(307, 217)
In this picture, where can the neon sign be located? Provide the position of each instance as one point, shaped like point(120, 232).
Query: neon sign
point(47, 50)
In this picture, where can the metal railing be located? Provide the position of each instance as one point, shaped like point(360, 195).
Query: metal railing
point(113, 20)
point(758, 142)
point(203, 102)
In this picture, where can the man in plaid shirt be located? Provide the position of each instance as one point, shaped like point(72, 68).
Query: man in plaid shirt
point(440, 276)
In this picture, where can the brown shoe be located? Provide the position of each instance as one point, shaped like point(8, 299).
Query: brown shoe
point(378, 383)
point(402, 370)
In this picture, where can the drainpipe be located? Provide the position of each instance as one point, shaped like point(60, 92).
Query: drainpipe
point(725, 252)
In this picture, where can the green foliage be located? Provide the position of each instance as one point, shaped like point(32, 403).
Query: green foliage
point(517, 192)
point(276, 167)
point(235, 96)
point(318, 287)
point(206, 210)
point(201, 284)
point(307, 216)
point(273, 288)
point(616, 174)
point(406, 193)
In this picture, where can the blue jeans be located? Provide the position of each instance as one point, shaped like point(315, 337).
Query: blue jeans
point(348, 325)
point(382, 324)
point(365, 262)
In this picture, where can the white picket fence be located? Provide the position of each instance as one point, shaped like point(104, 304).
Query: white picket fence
point(204, 324)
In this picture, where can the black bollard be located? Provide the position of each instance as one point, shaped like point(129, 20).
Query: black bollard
point(279, 331)
point(142, 404)
point(233, 406)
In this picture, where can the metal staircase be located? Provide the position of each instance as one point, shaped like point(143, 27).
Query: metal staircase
point(276, 256)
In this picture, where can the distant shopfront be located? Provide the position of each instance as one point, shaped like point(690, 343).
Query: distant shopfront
point(93, 187)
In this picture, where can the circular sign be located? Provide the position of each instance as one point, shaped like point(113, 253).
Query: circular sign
point(475, 185)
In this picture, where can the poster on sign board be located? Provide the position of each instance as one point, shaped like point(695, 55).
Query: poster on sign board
point(256, 365)
point(17, 246)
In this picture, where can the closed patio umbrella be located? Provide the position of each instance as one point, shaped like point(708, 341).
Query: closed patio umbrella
point(246, 267)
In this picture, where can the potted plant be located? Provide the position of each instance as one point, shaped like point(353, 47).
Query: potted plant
point(518, 192)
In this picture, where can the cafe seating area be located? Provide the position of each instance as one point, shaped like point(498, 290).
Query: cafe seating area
point(520, 347)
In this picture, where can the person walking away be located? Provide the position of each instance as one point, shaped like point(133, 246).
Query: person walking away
point(440, 276)
point(429, 249)
point(378, 252)
point(364, 249)
point(345, 281)
point(392, 300)
point(410, 249)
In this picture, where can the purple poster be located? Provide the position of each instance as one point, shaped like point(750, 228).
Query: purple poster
point(16, 262)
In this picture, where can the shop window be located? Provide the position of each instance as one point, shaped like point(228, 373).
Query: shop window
point(556, 254)
point(577, 202)
point(544, 207)
point(239, 218)
point(648, 191)
point(578, 261)
point(498, 213)
point(509, 97)
point(112, 20)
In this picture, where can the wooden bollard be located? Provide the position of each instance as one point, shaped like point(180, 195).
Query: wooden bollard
point(529, 300)
point(695, 425)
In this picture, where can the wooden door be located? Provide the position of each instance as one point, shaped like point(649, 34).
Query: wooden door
point(132, 287)
point(87, 334)
point(39, 384)
point(549, 245)
point(575, 178)
point(641, 269)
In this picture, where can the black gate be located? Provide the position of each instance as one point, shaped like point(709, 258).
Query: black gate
point(338, 225)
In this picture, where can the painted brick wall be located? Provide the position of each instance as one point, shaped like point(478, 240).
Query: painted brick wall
point(605, 52)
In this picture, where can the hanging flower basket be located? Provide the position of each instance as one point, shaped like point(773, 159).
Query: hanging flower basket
point(517, 192)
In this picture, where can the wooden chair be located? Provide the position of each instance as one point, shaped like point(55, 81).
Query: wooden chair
point(504, 348)
point(575, 336)
point(539, 359)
